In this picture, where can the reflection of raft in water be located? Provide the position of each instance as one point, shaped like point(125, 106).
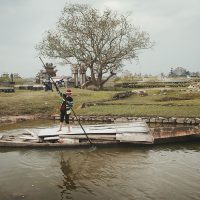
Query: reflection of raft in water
point(123, 133)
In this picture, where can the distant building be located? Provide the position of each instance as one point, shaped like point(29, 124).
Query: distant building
point(5, 75)
point(43, 75)
point(16, 75)
point(10, 77)
point(195, 74)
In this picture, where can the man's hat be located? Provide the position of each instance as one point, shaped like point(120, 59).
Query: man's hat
point(68, 92)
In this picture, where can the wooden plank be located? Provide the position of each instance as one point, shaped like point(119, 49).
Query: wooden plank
point(98, 129)
point(94, 131)
point(93, 136)
point(69, 141)
point(133, 130)
point(32, 133)
point(28, 138)
point(75, 131)
point(51, 138)
point(109, 130)
point(136, 137)
point(45, 145)
point(48, 132)
point(118, 125)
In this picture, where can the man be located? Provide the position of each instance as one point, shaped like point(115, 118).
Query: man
point(65, 109)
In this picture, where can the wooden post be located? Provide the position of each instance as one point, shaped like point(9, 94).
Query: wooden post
point(83, 74)
point(75, 73)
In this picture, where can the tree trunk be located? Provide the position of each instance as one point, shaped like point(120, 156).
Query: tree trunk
point(93, 79)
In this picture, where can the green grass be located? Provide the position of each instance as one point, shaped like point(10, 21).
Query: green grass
point(175, 103)
point(27, 102)
point(143, 110)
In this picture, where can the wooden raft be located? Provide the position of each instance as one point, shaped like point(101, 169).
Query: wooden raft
point(135, 132)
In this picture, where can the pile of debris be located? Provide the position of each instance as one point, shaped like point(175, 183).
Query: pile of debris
point(194, 87)
point(122, 95)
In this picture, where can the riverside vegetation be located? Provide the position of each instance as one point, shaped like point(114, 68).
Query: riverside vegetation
point(166, 103)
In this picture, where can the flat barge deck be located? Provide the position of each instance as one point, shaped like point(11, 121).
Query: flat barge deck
point(101, 134)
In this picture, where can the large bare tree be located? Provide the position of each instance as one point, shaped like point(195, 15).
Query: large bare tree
point(98, 41)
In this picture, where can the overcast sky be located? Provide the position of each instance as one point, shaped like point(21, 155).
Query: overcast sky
point(174, 26)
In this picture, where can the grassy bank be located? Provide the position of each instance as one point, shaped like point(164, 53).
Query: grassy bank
point(40, 102)
point(173, 103)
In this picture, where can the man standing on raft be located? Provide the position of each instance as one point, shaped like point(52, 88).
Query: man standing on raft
point(65, 109)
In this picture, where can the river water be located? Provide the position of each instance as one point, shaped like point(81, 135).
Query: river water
point(170, 171)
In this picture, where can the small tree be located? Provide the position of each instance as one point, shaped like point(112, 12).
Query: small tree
point(99, 41)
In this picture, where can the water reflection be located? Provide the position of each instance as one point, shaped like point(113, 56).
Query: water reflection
point(154, 172)
point(68, 178)
point(74, 175)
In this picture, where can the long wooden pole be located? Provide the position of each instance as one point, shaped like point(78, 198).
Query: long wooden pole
point(82, 127)
point(71, 108)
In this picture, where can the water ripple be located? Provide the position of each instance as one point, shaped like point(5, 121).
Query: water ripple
point(35, 160)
